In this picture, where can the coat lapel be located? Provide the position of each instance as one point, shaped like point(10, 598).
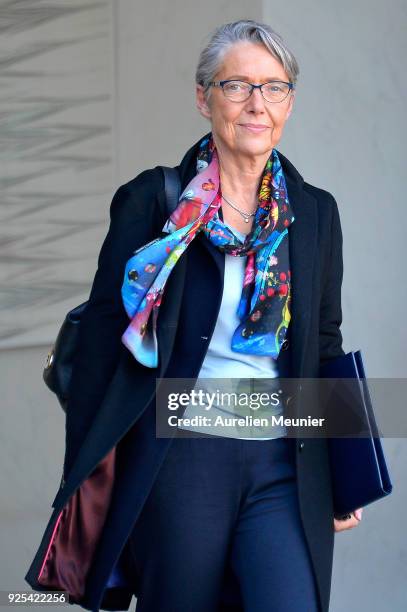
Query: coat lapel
point(302, 249)
point(302, 236)
point(168, 316)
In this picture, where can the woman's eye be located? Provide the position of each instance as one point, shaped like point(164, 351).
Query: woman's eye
point(236, 86)
point(274, 88)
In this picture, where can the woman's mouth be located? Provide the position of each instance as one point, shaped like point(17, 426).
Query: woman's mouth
point(255, 128)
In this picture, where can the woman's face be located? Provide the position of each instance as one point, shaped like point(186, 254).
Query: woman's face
point(253, 63)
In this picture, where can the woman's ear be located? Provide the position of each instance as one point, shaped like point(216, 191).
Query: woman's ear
point(201, 103)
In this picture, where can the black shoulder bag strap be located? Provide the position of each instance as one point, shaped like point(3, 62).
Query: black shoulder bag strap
point(172, 184)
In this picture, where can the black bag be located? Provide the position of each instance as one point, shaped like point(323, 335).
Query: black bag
point(58, 369)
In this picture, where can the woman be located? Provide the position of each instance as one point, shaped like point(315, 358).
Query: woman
point(218, 522)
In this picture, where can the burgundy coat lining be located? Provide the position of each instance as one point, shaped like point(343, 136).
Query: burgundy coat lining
point(77, 531)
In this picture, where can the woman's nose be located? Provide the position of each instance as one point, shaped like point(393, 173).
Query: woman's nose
point(256, 100)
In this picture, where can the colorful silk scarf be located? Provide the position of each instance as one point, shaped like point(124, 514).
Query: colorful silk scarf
point(264, 308)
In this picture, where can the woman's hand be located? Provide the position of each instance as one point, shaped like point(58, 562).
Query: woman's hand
point(350, 523)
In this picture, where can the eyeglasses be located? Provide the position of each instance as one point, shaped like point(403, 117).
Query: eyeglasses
point(239, 91)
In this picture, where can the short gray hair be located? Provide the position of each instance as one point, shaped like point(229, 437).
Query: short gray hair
point(222, 39)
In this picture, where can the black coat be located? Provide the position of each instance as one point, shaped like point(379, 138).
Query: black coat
point(110, 423)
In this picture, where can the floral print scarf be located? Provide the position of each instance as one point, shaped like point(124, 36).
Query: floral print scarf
point(264, 308)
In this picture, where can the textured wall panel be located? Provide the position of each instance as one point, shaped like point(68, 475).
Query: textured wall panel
point(56, 171)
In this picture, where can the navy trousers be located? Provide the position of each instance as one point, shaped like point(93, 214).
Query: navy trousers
point(221, 525)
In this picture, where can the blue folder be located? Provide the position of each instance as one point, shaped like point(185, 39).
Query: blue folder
point(359, 472)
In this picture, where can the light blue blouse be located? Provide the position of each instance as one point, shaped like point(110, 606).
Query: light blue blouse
point(221, 362)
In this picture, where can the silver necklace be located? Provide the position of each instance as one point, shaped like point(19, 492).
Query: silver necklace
point(246, 216)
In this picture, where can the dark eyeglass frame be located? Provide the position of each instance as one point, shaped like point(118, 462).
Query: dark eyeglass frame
point(253, 86)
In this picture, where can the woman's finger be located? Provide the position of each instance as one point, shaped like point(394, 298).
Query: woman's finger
point(347, 524)
point(358, 514)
